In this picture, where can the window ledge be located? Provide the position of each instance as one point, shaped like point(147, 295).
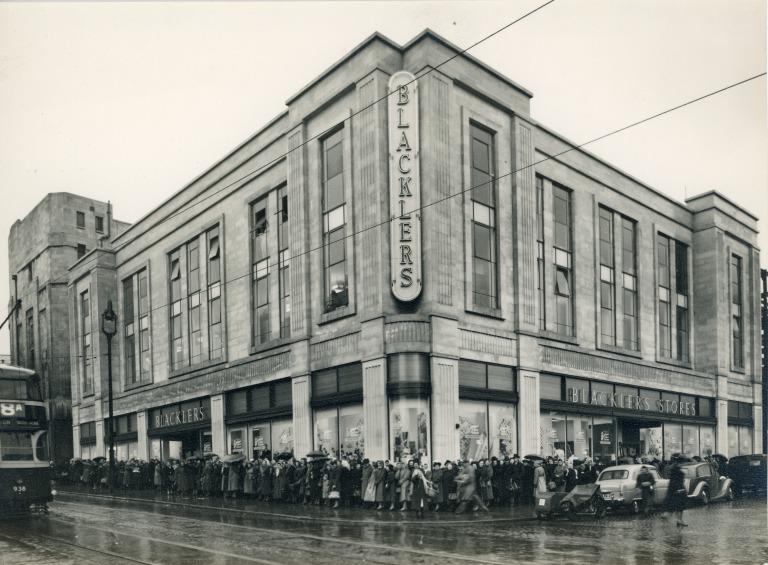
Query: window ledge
point(554, 336)
point(620, 351)
point(134, 386)
point(674, 362)
point(739, 370)
point(197, 367)
point(273, 344)
point(337, 314)
point(485, 311)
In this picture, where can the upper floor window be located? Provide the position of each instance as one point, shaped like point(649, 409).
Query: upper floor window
point(607, 279)
point(80, 219)
point(215, 331)
point(484, 252)
point(737, 330)
point(100, 224)
point(260, 271)
point(629, 283)
point(283, 248)
point(672, 297)
point(334, 222)
point(540, 252)
point(562, 249)
point(177, 346)
point(145, 357)
point(85, 343)
point(81, 250)
point(681, 301)
point(31, 339)
point(129, 331)
point(194, 307)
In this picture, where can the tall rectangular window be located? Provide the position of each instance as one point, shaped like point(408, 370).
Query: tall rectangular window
point(145, 356)
point(85, 345)
point(129, 332)
point(540, 252)
point(681, 310)
point(81, 249)
point(737, 330)
point(607, 279)
point(31, 339)
point(629, 283)
point(100, 224)
point(283, 247)
point(563, 261)
point(664, 294)
point(215, 345)
point(177, 348)
point(80, 219)
point(334, 222)
point(260, 271)
point(19, 347)
point(193, 302)
point(483, 182)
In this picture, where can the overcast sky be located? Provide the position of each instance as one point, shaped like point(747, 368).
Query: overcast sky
point(128, 102)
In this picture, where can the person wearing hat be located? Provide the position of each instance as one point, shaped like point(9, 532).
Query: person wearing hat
point(677, 494)
point(436, 476)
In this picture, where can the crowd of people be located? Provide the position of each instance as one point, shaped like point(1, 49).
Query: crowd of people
point(351, 481)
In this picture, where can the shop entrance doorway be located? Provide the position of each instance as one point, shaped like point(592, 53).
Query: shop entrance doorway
point(640, 438)
point(181, 445)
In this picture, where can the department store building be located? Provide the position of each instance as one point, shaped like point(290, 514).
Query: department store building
point(434, 274)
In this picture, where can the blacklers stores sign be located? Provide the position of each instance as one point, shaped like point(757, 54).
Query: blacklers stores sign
point(186, 415)
point(404, 187)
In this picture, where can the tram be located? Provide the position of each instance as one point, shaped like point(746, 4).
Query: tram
point(25, 472)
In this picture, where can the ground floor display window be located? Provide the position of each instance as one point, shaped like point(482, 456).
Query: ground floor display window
point(409, 428)
point(604, 439)
point(126, 450)
point(263, 439)
point(739, 440)
point(88, 452)
point(340, 430)
point(486, 429)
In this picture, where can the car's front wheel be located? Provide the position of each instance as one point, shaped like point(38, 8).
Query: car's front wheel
point(635, 507)
point(729, 496)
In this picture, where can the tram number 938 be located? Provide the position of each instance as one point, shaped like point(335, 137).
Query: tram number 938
point(21, 488)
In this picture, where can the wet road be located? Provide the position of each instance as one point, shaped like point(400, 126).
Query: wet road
point(87, 529)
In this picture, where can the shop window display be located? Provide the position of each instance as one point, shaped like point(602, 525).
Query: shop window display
point(691, 440)
point(502, 419)
point(673, 440)
point(651, 443)
point(409, 428)
point(707, 441)
point(351, 429)
point(327, 431)
point(282, 436)
point(473, 430)
point(603, 439)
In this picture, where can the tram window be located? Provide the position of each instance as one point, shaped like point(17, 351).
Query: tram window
point(15, 446)
point(13, 389)
point(41, 446)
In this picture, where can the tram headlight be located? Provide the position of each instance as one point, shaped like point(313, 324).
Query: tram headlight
point(53, 492)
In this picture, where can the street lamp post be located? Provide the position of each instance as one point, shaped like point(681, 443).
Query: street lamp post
point(109, 327)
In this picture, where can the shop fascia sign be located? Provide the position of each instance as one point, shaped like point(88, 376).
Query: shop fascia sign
point(404, 187)
point(632, 402)
point(180, 417)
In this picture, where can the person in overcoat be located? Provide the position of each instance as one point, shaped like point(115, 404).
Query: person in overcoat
point(467, 481)
point(436, 476)
point(266, 480)
point(419, 498)
point(377, 477)
point(404, 482)
point(539, 478)
point(233, 480)
point(390, 486)
point(248, 480)
point(450, 486)
point(677, 494)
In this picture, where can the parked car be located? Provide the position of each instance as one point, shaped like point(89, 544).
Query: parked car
point(619, 487)
point(748, 473)
point(705, 483)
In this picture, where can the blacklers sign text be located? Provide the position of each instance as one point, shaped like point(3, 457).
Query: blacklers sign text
point(404, 188)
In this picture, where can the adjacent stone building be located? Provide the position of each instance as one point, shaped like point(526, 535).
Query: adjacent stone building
point(433, 275)
point(57, 232)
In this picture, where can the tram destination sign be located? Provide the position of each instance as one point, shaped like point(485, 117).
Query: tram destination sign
point(404, 187)
point(15, 413)
point(630, 402)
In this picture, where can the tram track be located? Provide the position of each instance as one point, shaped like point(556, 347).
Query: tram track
point(284, 535)
point(24, 541)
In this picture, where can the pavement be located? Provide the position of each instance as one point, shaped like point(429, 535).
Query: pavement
point(83, 527)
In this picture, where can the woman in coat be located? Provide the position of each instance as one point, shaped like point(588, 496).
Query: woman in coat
point(248, 480)
point(419, 498)
point(436, 476)
point(404, 482)
point(365, 477)
point(539, 479)
point(265, 481)
point(233, 480)
point(449, 485)
point(378, 476)
point(677, 494)
point(159, 477)
point(390, 486)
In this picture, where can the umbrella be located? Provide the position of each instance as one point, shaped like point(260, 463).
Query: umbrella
point(534, 457)
point(210, 456)
point(283, 456)
point(99, 458)
point(316, 454)
point(233, 458)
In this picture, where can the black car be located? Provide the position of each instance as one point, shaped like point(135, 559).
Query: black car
point(748, 472)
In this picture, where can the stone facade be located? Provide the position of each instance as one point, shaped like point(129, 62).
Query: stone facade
point(41, 248)
point(361, 322)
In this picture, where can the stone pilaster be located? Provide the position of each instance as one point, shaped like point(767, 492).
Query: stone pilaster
point(375, 408)
point(218, 428)
point(302, 416)
point(142, 449)
point(528, 412)
point(76, 450)
point(297, 212)
point(757, 414)
point(100, 449)
point(722, 426)
point(445, 407)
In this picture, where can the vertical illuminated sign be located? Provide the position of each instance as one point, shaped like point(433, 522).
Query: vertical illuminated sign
point(404, 188)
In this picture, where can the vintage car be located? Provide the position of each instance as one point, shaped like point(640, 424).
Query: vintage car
point(705, 483)
point(749, 473)
point(619, 487)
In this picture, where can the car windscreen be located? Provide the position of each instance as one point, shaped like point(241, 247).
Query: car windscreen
point(613, 475)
